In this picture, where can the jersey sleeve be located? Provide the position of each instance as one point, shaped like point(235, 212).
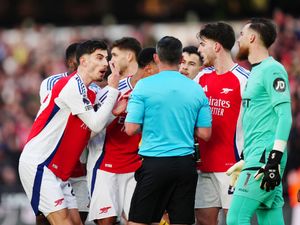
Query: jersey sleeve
point(74, 96)
point(204, 118)
point(136, 106)
point(277, 85)
point(43, 90)
point(203, 72)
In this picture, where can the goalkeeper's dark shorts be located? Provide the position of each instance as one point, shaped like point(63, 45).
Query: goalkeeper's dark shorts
point(165, 183)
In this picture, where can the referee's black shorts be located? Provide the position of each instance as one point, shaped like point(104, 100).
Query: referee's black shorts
point(165, 183)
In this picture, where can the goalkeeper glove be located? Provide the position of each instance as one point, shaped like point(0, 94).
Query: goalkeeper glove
point(234, 171)
point(270, 171)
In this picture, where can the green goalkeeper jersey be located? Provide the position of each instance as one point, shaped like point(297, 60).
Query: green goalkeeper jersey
point(267, 88)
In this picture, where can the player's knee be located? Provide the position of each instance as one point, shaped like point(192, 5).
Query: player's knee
point(202, 221)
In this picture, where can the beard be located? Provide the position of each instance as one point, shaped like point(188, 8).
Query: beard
point(242, 54)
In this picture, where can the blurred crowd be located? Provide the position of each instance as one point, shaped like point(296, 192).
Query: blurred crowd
point(30, 54)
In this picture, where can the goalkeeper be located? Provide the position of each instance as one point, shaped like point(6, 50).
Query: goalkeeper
point(266, 123)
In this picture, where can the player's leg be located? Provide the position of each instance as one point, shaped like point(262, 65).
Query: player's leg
point(41, 220)
point(104, 206)
point(270, 216)
point(241, 210)
point(223, 181)
point(60, 217)
point(207, 201)
point(127, 185)
point(71, 202)
point(44, 191)
point(80, 189)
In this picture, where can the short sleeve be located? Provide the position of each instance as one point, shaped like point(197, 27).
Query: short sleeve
point(204, 118)
point(136, 106)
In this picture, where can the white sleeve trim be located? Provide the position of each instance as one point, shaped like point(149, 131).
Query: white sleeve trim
point(279, 145)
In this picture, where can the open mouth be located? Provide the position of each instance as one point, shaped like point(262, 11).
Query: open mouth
point(102, 72)
point(185, 73)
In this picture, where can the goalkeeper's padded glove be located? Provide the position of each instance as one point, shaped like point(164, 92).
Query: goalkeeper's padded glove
point(270, 171)
point(234, 172)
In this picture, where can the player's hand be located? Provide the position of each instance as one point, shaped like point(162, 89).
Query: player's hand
point(298, 195)
point(270, 173)
point(234, 172)
point(121, 105)
point(114, 78)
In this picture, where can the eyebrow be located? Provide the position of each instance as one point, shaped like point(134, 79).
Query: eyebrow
point(99, 54)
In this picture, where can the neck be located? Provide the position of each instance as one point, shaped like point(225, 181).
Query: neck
point(163, 67)
point(83, 75)
point(130, 70)
point(223, 63)
point(136, 77)
point(257, 54)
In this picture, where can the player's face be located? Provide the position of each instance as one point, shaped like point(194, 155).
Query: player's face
point(243, 43)
point(189, 65)
point(120, 58)
point(207, 52)
point(97, 64)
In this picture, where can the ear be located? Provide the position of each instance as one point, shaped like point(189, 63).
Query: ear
point(252, 38)
point(83, 60)
point(156, 58)
point(181, 59)
point(218, 46)
point(130, 56)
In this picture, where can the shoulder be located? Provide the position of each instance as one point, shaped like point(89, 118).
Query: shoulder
point(49, 82)
point(272, 69)
point(240, 72)
point(125, 84)
point(204, 71)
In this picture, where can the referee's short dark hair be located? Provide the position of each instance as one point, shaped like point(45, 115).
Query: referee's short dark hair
point(146, 57)
point(169, 50)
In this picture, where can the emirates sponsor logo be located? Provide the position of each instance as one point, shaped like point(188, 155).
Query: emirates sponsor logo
point(216, 102)
point(218, 106)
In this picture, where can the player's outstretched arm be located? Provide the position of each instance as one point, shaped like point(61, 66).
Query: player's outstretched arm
point(270, 172)
point(96, 121)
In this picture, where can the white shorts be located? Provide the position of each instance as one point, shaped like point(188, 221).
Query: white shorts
point(79, 185)
point(112, 195)
point(46, 192)
point(212, 191)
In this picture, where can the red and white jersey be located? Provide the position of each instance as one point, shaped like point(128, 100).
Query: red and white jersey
point(119, 153)
point(224, 93)
point(45, 89)
point(58, 136)
point(48, 83)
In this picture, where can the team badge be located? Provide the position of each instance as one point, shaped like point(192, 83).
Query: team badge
point(279, 85)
